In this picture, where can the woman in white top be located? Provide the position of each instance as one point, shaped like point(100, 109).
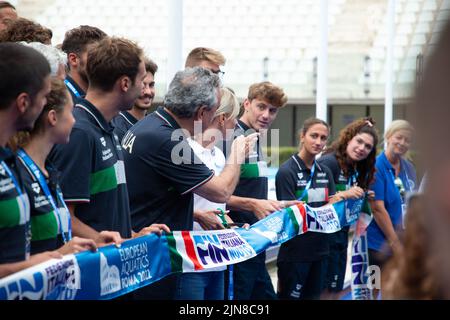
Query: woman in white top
point(209, 285)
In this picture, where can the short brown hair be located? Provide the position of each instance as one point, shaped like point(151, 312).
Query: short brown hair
point(6, 4)
point(200, 54)
point(76, 40)
point(150, 66)
point(110, 59)
point(26, 30)
point(269, 92)
point(56, 100)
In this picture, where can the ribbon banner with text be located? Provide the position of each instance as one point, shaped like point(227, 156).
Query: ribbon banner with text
point(113, 271)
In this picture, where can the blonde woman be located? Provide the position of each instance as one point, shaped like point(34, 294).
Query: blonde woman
point(395, 177)
point(210, 285)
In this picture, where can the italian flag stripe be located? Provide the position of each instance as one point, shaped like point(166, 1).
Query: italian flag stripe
point(176, 261)
point(189, 245)
point(302, 210)
point(294, 218)
point(299, 213)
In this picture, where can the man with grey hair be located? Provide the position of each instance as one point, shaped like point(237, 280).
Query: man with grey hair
point(162, 170)
point(55, 57)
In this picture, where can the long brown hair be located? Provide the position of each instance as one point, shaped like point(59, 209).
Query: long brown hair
point(366, 167)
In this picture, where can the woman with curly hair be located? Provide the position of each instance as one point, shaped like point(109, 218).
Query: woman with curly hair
point(351, 159)
point(26, 30)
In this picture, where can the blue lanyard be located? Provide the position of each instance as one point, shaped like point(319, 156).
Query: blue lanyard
point(230, 267)
point(39, 176)
point(308, 184)
point(392, 170)
point(72, 88)
point(21, 195)
point(230, 283)
point(352, 180)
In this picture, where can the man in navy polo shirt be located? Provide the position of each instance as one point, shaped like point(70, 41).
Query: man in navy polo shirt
point(24, 84)
point(91, 164)
point(163, 171)
point(249, 201)
point(126, 119)
point(76, 45)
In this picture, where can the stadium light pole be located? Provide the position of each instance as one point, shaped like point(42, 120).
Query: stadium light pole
point(175, 36)
point(389, 65)
point(322, 63)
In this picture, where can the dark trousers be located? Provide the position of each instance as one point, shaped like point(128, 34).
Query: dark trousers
point(164, 289)
point(251, 280)
point(301, 280)
point(337, 261)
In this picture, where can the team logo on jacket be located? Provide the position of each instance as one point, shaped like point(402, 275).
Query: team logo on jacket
point(35, 187)
point(300, 175)
point(103, 141)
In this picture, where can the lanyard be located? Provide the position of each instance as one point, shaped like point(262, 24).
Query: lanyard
point(352, 180)
point(401, 186)
point(308, 184)
point(72, 88)
point(39, 176)
point(230, 267)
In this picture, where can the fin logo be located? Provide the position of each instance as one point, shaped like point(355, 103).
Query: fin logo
point(109, 277)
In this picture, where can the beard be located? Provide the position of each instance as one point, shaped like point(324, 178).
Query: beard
point(83, 76)
point(143, 105)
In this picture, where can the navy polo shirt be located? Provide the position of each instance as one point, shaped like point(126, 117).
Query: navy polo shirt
point(74, 89)
point(386, 190)
point(14, 212)
point(122, 123)
point(92, 172)
point(161, 188)
point(253, 177)
point(290, 181)
point(45, 229)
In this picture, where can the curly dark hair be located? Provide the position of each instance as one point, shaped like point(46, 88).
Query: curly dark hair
point(26, 30)
point(366, 167)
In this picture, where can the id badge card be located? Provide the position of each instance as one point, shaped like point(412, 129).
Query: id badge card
point(405, 207)
point(404, 210)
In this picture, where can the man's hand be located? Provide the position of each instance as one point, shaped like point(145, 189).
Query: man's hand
point(261, 208)
point(108, 237)
point(77, 245)
point(208, 220)
point(155, 228)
